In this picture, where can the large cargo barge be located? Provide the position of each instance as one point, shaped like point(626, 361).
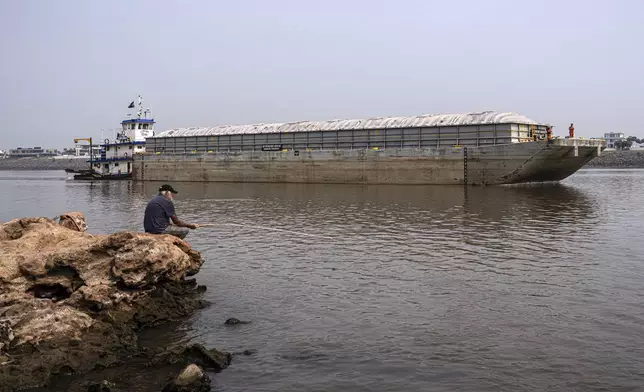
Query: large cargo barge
point(475, 148)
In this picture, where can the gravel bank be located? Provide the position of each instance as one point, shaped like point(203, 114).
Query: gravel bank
point(618, 159)
point(42, 164)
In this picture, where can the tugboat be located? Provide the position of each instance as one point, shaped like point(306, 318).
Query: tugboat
point(115, 161)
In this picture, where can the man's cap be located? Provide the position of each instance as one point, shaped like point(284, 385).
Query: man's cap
point(167, 187)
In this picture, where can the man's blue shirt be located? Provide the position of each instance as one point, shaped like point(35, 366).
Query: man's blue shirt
point(157, 215)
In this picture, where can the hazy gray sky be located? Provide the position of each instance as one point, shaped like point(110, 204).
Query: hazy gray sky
point(70, 67)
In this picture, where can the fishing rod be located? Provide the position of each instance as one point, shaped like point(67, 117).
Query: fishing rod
point(265, 228)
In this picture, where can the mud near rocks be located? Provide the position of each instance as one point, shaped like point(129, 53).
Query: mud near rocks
point(72, 302)
point(150, 370)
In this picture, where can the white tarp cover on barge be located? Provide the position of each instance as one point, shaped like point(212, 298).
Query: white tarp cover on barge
point(429, 120)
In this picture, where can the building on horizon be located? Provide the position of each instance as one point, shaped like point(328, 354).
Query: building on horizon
point(612, 137)
point(22, 152)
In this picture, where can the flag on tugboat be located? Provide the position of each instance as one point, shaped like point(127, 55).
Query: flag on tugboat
point(131, 105)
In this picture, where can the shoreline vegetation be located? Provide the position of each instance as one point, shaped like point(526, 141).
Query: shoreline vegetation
point(631, 159)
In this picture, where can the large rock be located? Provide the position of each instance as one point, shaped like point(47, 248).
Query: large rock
point(211, 359)
point(103, 386)
point(191, 379)
point(70, 300)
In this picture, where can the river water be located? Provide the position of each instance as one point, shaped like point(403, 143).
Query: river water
point(400, 288)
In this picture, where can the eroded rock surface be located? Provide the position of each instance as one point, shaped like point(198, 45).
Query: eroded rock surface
point(70, 301)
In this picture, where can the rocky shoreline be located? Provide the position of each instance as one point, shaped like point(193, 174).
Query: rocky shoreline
point(629, 159)
point(72, 303)
point(43, 164)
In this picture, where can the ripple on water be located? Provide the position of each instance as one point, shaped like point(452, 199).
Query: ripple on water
point(404, 288)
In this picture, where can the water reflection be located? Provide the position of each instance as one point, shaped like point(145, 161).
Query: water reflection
point(559, 209)
point(403, 287)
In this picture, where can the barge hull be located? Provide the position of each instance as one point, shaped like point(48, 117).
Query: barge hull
point(539, 161)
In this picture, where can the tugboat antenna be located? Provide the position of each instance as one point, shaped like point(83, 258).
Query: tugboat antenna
point(138, 113)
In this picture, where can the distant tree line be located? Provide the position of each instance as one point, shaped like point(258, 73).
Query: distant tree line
point(627, 143)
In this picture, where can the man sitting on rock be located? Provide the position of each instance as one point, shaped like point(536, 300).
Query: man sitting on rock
point(159, 212)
